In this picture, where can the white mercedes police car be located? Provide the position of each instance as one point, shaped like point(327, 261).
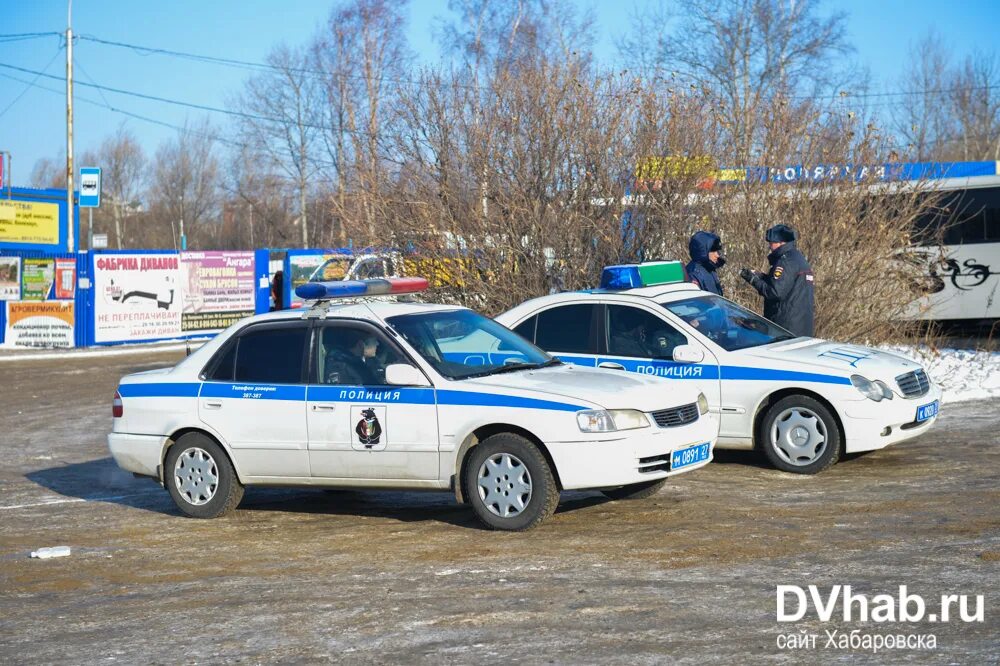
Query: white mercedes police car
point(400, 395)
point(803, 401)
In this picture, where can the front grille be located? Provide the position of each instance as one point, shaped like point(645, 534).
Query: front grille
point(914, 384)
point(676, 416)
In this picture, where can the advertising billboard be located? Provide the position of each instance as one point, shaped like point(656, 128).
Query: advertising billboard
point(10, 278)
point(136, 297)
point(37, 277)
point(39, 324)
point(219, 289)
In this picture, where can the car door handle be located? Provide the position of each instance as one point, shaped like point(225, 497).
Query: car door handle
point(324, 408)
point(212, 404)
point(611, 366)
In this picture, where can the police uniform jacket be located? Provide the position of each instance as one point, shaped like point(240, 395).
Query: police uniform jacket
point(787, 290)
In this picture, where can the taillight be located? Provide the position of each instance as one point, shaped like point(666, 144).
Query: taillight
point(117, 408)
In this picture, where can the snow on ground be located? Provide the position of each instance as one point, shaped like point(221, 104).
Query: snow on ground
point(963, 374)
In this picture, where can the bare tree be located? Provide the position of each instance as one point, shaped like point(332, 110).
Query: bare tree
point(503, 34)
point(258, 202)
point(364, 56)
point(280, 109)
point(975, 104)
point(48, 173)
point(751, 53)
point(123, 174)
point(922, 116)
point(185, 187)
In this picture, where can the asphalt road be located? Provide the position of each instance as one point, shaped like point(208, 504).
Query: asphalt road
point(688, 576)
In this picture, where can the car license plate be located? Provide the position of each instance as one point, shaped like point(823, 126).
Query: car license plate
point(689, 455)
point(928, 411)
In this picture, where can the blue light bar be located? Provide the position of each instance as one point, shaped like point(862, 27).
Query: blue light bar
point(621, 277)
point(648, 274)
point(355, 288)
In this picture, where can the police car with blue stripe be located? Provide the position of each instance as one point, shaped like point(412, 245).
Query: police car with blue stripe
point(376, 394)
point(803, 401)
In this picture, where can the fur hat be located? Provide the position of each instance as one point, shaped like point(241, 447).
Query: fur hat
point(781, 233)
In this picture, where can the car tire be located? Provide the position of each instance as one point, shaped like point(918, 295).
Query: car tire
point(200, 478)
point(509, 483)
point(636, 491)
point(799, 434)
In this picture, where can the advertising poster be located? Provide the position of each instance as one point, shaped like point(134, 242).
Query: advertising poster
point(29, 222)
point(65, 278)
point(302, 266)
point(136, 297)
point(31, 324)
point(37, 276)
point(219, 289)
point(10, 278)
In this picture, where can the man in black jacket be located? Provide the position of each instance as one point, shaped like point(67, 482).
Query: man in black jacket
point(788, 287)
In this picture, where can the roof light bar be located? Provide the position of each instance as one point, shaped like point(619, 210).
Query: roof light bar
point(649, 274)
point(356, 288)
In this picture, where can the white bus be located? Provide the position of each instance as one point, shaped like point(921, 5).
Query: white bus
point(964, 272)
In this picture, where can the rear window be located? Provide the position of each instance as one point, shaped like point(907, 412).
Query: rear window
point(271, 355)
point(566, 329)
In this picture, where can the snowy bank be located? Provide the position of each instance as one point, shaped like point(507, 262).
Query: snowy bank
point(962, 374)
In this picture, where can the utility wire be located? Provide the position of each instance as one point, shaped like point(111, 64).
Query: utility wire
point(258, 66)
point(31, 83)
point(22, 36)
point(137, 116)
point(191, 105)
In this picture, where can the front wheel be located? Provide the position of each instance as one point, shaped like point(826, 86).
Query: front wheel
point(798, 434)
point(635, 491)
point(200, 478)
point(509, 483)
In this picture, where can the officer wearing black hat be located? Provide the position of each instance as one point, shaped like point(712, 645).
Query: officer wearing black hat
point(788, 287)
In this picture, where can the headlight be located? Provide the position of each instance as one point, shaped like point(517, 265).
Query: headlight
point(603, 420)
point(627, 419)
point(873, 390)
point(702, 404)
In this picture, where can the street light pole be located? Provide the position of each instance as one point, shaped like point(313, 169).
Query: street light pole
point(71, 224)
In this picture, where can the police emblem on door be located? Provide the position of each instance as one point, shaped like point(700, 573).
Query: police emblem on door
point(369, 428)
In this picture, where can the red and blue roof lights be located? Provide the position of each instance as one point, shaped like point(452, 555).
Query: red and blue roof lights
point(360, 288)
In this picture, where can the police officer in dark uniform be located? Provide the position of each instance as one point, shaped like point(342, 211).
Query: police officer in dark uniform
point(788, 287)
point(706, 258)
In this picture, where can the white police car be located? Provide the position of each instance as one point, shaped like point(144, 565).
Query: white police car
point(400, 395)
point(803, 401)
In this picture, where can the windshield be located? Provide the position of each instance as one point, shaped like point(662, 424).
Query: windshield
point(461, 344)
point(334, 268)
point(727, 324)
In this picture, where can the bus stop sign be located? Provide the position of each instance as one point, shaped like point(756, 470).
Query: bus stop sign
point(90, 187)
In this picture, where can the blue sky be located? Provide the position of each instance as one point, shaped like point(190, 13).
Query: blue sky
point(33, 126)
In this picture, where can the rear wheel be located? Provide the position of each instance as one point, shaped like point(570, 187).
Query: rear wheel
point(509, 483)
point(636, 491)
point(200, 478)
point(798, 434)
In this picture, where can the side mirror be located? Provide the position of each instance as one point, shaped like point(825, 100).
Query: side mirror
point(688, 354)
point(404, 374)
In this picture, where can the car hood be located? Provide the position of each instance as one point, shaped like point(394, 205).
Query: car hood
point(836, 358)
point(610, 389)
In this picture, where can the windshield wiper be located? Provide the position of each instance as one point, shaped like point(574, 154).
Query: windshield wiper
point(513, 367)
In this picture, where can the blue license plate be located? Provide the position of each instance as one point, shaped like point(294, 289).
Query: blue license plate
point(928, 411)
point(689, 455)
